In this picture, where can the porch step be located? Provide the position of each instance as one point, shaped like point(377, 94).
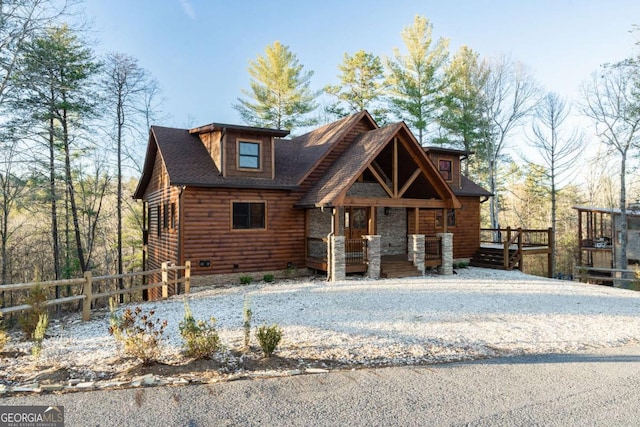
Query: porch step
point(397, 267)
point(489, 258)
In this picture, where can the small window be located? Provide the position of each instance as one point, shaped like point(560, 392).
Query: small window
point(445, 169)
point(165, 217)
point(159, 220)
point(451, 218)
point(172, 221)
point(248, 216)
point(248, 155)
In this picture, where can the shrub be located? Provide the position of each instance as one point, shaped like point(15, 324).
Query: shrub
point(268, 278)
point(199, 338)
point(39, 333)
point(29, 319)
point(269, 337)
point(139, 333)
point(245, 280)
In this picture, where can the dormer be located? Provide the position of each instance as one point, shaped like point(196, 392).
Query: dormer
point(448, 163)
point(241, 151)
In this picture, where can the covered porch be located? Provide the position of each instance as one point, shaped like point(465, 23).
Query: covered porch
point(374, 241)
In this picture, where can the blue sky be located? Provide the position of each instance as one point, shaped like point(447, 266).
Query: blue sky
point(199, 50)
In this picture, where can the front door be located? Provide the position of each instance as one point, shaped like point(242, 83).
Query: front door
point(356, 222)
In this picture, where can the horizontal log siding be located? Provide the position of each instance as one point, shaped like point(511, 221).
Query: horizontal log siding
point(164, 247)
point(208, 234)
point(466, 233)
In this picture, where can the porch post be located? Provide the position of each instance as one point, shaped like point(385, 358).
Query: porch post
point(415, 244)
point(373, 256)
point(446, 267)
point(337, 260)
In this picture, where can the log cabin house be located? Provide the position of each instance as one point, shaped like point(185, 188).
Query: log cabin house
point(347, 197)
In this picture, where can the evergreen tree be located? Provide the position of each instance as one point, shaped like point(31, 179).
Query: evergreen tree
point(280, 95)
point(55, 80)
point(415, 79)
point(360, 88)
point(462, 117)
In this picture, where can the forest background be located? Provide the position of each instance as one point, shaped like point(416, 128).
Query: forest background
point(75, 125)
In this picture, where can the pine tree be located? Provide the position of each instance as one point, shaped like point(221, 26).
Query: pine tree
point(360, 87)
point(280, 95)
point(415, 79)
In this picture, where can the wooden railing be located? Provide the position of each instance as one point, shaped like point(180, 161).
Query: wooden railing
point(515, 241)
point(432, 247)
point(86, 292)
point(355, 251)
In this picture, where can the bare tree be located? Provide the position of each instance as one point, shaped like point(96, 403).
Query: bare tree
point(612, 101)
point(510, 94)
point(559, 150)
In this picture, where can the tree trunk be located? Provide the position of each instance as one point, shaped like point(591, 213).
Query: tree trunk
point(622, 253)
point(120, 113)
point(72, 199)
point(54, 204)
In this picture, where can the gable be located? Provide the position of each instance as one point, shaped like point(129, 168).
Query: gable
point(391, 158)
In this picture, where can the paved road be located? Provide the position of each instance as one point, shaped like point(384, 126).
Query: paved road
point(597, 389)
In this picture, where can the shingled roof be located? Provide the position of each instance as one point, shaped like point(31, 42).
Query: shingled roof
point(188, 162)
point(348, 166)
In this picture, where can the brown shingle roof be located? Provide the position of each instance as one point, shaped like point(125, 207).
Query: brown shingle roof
point(348, 166)
point(297, 157)
point(470, 188)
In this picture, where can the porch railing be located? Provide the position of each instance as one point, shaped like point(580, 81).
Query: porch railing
point(432, 248)
point(355, 251)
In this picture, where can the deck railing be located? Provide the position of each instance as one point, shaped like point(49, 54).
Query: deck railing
point(513, 241)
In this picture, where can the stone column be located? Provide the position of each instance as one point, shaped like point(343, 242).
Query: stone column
point(337, 259)
point(446, 267)
point(373, 256)
point(415, 244)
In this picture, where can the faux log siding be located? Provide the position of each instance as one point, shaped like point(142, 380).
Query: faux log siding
point(466, 237)
point(466, 233)
point(208, 235)
point(231, 160)
point(164, 247)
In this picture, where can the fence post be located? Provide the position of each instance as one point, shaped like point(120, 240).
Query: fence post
point(88, 296)
point(165, 280)
point(187, 277)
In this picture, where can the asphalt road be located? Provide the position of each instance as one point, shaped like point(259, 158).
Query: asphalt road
point(601, 388)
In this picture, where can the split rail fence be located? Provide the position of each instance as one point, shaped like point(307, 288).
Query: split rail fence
point(88, 282)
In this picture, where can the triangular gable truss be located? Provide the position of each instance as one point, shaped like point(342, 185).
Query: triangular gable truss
point(401, 139)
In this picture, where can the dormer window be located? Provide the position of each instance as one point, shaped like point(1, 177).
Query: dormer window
point(249, 155)
point(445, 169)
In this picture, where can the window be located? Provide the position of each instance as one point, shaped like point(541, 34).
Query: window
point(172, 221)
point(248, 155)
point(159, 220)
point(451, 218)
point(445, 169)
point(165, 217)
point(248, 215)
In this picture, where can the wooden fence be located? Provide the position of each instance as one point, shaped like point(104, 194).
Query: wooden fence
point(87, 295)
